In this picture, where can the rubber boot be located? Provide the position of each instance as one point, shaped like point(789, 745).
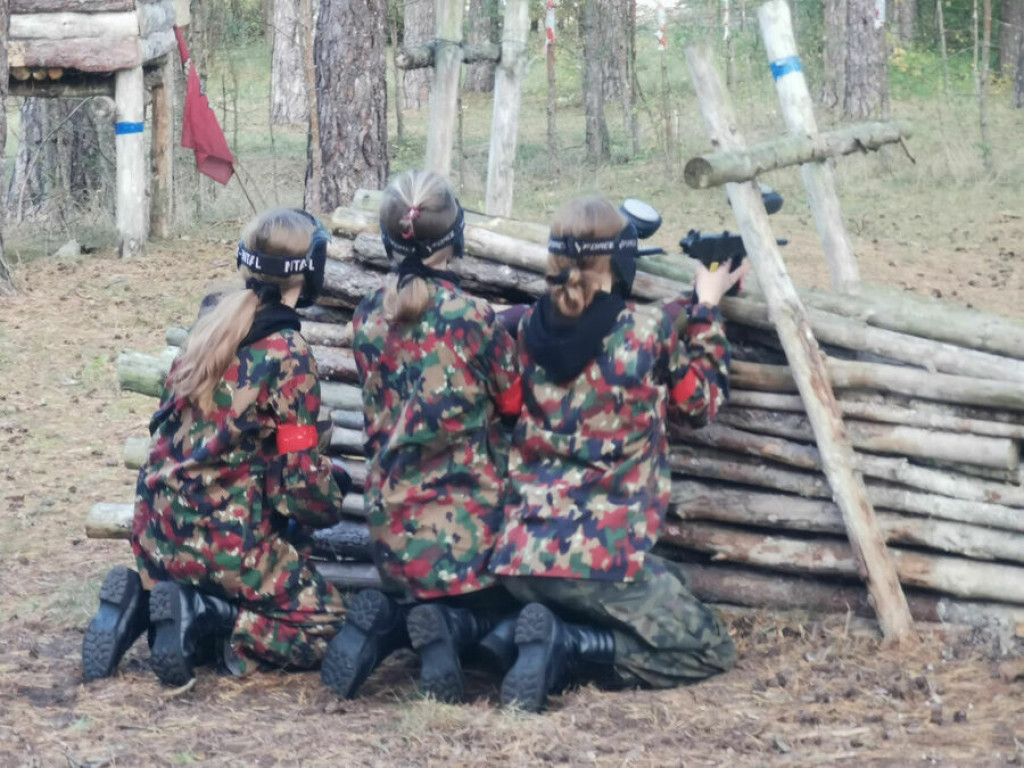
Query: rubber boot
point(122, 617)
point(440, 635)
point(497, 651)
point(186, 622)
point(374, 629)
point(550, 656)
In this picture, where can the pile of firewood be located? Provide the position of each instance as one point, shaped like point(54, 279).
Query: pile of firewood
point(933, 401)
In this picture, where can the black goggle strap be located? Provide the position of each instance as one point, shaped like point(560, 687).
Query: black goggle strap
point(424, 249)
point(625, 245)
point(282, 266)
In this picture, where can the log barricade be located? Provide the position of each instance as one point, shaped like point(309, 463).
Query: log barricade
point(752, 518)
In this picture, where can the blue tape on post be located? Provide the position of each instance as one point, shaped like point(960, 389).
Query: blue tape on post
point(120, 129)
point(785, 66)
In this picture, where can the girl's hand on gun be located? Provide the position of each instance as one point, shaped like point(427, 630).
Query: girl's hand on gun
point(712, 286)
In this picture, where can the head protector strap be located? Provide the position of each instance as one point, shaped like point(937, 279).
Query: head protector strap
point(424, 249)
point(622, 249)
point(310, 266)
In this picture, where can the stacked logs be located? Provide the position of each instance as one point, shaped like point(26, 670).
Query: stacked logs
point(932, 394)
point(48, 37)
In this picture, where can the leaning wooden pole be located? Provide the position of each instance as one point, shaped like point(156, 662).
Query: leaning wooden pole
point(807, 362)
point(798, 112)
point(131, 161)
point(444, 96)
point(161, 217)
point(508, 89)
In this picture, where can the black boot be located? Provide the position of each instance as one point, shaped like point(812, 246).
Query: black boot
point(550, 656)
point(186, 622)
point(123, 616)
point(497, 651)
point(374, 629)
point(440, 635)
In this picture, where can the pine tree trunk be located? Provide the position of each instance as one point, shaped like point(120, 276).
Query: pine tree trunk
point(866, 80)
point(351, 98)
point(1018, 88)
point(483, 28)
point(613, 29)
point(834, 54)
point(1011, 36)
point(906, 20)
point(594, 41)
point(6, 284)
point(288, 102)
point(418, 27)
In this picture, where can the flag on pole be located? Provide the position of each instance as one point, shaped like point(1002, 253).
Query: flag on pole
point(200, 130)
point(549, 22)
point(662, 41)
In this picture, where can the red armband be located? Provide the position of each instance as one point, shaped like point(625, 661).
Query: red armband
point(684, 390)
point(292, 438)
point(510, 402)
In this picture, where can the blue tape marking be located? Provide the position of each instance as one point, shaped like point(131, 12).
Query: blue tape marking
point(785, 66)
point(120, 129)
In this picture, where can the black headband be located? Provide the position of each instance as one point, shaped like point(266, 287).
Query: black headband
point(283, 266)
point(424, 249)
point(624, 243)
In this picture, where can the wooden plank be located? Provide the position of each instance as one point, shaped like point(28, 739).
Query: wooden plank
point(61, 26)
point(873, 562)
point(132, 218)
point(80, 6)
point(88, 54)
point(444, 96)
point(162, 154)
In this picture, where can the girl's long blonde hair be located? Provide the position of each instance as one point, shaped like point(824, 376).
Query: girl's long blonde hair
point(418, 205)
point(583, 217)
point(212, 344)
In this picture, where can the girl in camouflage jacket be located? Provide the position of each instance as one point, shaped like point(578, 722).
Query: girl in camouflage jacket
point(438, 372)
point(589, 481)
point(234, 458)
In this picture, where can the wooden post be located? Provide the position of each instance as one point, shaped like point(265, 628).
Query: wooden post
point(798, 112)
point(131, 161)
point(162, 153)
point(549, 50)
point(444, 96)
point(807, 362)
point(508, 87)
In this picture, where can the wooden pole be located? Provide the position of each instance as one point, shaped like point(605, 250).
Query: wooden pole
point(162, 154)
point(508, 87)
point(131, 161)
point(873, 561)
point(444, 96)
point(798, 112)
point(549, 51)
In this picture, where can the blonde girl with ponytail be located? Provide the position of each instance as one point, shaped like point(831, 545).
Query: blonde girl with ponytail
point(233, 463)
point(438, 373)
point(589, 482)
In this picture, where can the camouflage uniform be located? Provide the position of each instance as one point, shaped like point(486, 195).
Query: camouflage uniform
point(433, 391)
point(218, 490)
point(589, 486)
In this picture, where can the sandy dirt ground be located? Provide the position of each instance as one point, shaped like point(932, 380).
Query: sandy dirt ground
point(805, 692)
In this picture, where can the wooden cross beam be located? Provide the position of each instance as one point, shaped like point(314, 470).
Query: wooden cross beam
point(807, 362)
point(422, 56)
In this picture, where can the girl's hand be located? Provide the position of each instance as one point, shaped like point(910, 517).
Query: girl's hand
point(712, 286)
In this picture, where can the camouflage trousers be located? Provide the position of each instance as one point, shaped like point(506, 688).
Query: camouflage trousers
point(664, 636)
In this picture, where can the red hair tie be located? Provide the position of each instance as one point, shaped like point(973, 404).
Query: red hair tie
point(407, 221)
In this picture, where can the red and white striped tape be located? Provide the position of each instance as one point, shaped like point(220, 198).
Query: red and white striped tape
point(662, 40)
point(549, 22)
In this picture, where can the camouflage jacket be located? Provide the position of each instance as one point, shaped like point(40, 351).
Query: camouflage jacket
point(219, 487)
point(588, 473)
point(433, 392)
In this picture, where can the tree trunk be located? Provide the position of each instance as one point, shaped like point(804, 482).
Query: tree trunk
point(1018, 87)
point(614, 30)
point(351, 98)
point(594, 23)
point(833, 54)
point(905, 12)
point(483, 28)
point(6, 284)
point(288, 102)
point(866, 81)
point(418, 27)
point(1011, 37)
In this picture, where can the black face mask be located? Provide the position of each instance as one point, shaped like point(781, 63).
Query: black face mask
point(311, 266)
point(562, 345)
point(622, 249)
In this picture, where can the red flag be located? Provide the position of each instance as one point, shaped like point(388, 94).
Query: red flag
point(200, 130)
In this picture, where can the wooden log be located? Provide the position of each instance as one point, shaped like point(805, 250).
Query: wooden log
point(756, 588)
point(351, 441)
point(348, 419)
point(19, 74)
point(798, 112)
point(845, 374)
point(155, 17)
point(338, 396)
point(131, 162)
point(422, 56)
point(335, 363)
point(885, 412)
point(348, 540)
point(998, 452)
point(508, 86)
point(73, 6)
point(717, 465)
point(855, 335)
point(135, 452)
point(714, 170)
point(54, 73)
point(895, 470)
point(161, 211)
point(145, 374)
point(693, 500)
point(348, 282)
point(444, 95)
point(873, 562)
point(327, 334)
point(61, 26)
point(157, 44)
point(350, 576)
point(87, 54)
point(834, 557)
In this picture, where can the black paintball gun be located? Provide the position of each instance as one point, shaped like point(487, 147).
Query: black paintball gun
point(710, 250)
